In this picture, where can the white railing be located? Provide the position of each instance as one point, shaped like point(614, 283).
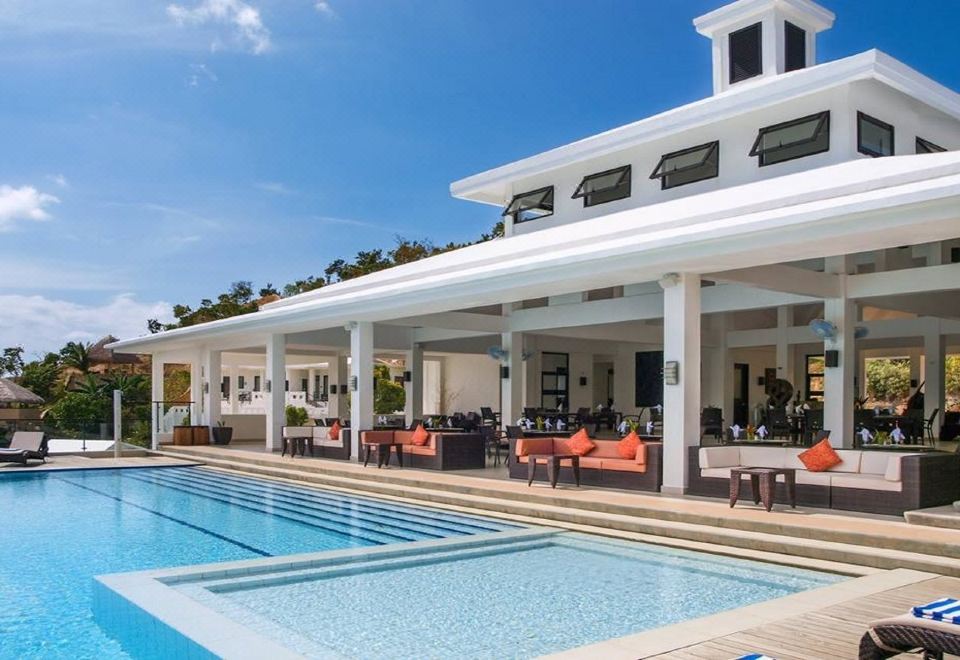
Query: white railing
point(254, 403)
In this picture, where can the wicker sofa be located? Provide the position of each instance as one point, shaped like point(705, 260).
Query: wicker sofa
point(603, 466)
point(869, 481)
point(443, 450)
point(323, 446)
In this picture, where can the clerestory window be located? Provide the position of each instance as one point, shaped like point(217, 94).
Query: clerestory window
point(688, 166)
point(793, 139)
point(531, 205)
point(605, 186)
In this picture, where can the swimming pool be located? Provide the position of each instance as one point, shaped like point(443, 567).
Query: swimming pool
point(61, 528)
point(514, 595)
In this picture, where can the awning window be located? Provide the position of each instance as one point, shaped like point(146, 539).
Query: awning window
point(531, 205)
point(689, 165)
point(928, 147)
point(604, 186)
point(793, 139)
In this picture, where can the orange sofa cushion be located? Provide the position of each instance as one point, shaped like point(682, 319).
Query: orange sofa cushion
point(420, 436)
point(419, 451)
point(527, 446)
point(605, 449)
point(820, 457)
point(623, 465)
point(580, 443)
point(627, 447)
point(334, 432)
point(641, 456)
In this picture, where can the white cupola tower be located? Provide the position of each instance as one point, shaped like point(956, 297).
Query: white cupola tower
point(757, 39)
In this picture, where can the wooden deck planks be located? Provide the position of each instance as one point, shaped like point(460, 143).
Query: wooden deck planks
point(827, 634)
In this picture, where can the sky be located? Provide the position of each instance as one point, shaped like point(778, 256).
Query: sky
point(153, 152)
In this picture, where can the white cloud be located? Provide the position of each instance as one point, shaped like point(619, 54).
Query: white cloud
point(243, 19)
point(59, 179)
point(200, 73)
point(275, 187)
point(42, 324)
point(323, 7)
point(23, 203)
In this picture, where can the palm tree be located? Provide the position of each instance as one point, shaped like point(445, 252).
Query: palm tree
point(76, 355)
point(129, 385)
point(90, 385)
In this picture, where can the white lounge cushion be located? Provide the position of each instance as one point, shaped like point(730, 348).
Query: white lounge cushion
point(875, 462)
point(849, 461)
point(321, 437)
point(864, 481)
point(791, 459)
point(808, 478)
point(894, 467)
point(772, 457)
point(719, 457)
point(716, 472)
point(326, 442)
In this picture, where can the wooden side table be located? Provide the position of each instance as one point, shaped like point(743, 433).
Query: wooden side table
point(383, 453)
point(553, 467)
point(763, 483)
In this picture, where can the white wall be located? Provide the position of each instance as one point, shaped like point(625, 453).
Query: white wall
point(469, 382)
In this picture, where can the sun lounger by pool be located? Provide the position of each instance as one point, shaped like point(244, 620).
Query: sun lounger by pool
point(906, 633)
point(24, 446)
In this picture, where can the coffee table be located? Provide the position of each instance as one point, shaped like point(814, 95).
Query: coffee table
point(763, 483)
point(553, 467)
point(383, 453)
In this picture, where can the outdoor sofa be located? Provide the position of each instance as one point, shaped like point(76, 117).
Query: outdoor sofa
point(444, 450)
point(25, 445)
point(881, 482)
point(888, 638)
point(602, 466)
point(323, 446)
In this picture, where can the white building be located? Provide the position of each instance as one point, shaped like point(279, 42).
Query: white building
point(705, 237)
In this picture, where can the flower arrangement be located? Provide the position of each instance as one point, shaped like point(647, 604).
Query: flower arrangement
point(751, 432)
point(883, 438)
point(539, 423)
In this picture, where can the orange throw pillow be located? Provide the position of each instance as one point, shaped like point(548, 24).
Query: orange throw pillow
point(820, 457)
point(580, 443)
point(627, 447)
point(420, 436)
point(334, 432)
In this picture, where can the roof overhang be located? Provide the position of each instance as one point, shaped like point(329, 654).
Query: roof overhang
point(856, 206)
point(813, 15)
point(494, 186)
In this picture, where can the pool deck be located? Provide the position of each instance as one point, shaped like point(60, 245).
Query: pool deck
point(823, 624)
point(78, 462)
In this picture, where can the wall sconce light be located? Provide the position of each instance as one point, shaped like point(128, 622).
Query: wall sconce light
point(268, 386)
point(671, 373)
point(407, 377)
point(206, 388)
point(831, 358)
point(354, 384)
point(583, 381)
point(504, 372)
point(333, 389)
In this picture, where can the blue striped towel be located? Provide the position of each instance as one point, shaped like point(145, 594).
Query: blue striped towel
point(942, 609)
point(754, 656)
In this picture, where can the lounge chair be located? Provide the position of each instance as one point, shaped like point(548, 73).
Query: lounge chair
point(25, 445)
point(906, 633)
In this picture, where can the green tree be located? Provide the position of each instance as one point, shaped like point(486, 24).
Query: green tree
point(78, 413)
point(42, 376)
point(888, 380)
point(76, 355)
point(388, 396)
point(11, 361)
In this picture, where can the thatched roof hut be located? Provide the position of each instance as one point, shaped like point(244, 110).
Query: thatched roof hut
point(11, 393)
point(100, 354)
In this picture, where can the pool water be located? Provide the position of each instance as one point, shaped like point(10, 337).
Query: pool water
point(62, 528)
point(518, 601)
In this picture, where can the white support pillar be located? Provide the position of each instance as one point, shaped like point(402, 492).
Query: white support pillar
point(784, 322)
point(311, 384)
point(274, 395)
point(196, 388)
point(211, 388)
point(935, 361)
point(511, 387)
point(156, 396)
point(839, 394)
point(361, 381)
point(414, 395)
point(681, 401)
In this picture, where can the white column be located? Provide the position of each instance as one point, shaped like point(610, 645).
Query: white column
point(196, 388)
point(414, 401)
point(311, 384)
point(211, 386)
point(784, 321)
point(156, 395)
point(361, 381)
point(274, 396)
point(681, 402)
point(838, 387)
point(935, 361)
point(511, 387)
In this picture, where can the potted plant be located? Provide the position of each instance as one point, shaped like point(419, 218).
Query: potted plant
point(296, 416)
point(222, 434)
